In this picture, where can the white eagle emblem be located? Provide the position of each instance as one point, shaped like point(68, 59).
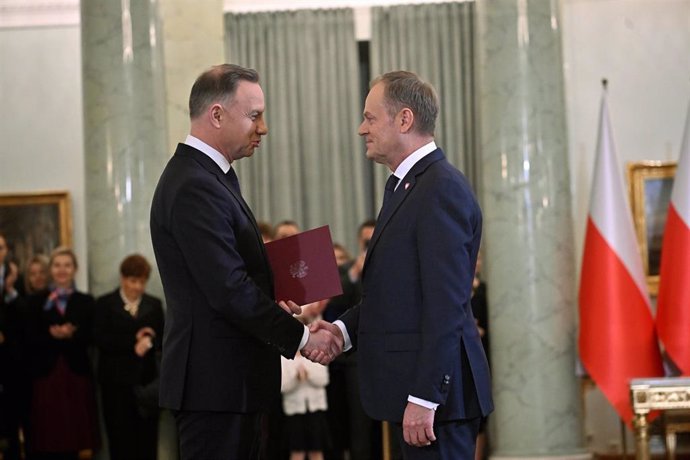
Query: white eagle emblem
point(299, 269)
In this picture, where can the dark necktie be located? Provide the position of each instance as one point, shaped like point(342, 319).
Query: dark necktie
point(390, 188)
point(234, 181)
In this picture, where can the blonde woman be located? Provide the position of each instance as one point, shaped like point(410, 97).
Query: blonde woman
point(63, 419)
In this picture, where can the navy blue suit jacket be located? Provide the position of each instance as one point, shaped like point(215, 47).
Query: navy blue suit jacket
point(414, 327)
point(223, 332)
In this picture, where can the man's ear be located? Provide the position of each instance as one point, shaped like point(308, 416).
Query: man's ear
point(406, 120)
point(215, 114)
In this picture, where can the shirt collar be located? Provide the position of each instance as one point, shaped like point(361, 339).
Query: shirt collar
point(209, 151)
point(129, 301)
point(412, 160)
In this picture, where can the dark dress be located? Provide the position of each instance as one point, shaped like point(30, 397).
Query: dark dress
point(63, 415)
point(131, 422)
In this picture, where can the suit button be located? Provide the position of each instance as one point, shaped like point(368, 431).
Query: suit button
point(446, 379)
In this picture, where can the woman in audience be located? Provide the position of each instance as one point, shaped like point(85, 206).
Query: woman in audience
point(63, 419)
point(10, 358)
point(128, 329)
point(36, 276)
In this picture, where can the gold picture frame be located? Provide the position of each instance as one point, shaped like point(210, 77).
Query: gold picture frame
point(35, 223)
point(650, 184)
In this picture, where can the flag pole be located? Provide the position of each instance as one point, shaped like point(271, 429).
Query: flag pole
point(624, 440)
point(617, 338)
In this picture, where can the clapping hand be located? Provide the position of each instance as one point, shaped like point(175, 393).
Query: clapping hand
point(144, 342)
point(62, 331)
point(325, 342)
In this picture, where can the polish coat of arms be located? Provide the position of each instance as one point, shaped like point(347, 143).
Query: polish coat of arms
point(299, 269)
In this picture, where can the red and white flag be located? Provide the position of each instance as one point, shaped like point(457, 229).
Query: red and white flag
point(617, 337)
point(673, 303)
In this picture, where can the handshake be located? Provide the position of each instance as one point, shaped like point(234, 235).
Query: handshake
point(325, 341)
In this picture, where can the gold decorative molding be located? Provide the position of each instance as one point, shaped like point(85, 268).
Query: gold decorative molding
point(672, 393)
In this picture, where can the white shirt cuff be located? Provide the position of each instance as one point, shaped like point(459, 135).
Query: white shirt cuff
point(347, 343)
point(305, 338)
point(422, 402)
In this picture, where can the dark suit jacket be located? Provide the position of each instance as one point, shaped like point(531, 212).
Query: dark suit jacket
point(352, 293)
point(223, 332)
point(115, 336)
point(43, 349)
point(414, 328)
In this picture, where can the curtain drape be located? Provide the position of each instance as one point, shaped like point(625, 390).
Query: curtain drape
point(311, 165)
point(436, 41)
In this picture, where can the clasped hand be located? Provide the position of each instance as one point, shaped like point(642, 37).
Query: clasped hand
point(325, 339)
point(325, 342)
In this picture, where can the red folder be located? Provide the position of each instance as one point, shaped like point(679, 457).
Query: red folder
point(304, 267)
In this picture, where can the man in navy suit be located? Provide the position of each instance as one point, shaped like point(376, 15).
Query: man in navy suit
point(421, 362)
point(224, 333)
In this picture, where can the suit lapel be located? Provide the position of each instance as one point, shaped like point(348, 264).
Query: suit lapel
point(208, 164)
point(405, 187)
point(248, 212)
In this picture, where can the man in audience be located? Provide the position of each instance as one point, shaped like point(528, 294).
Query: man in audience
point(286, 228)
point(266, 231)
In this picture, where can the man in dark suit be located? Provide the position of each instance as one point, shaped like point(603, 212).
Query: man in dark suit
point(421, 360)
point(224, 333)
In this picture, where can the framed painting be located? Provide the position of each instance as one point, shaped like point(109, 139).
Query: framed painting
point(650, 184)
point(35, 223)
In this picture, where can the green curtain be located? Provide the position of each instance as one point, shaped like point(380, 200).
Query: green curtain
point(311, 165)
point(436, 41)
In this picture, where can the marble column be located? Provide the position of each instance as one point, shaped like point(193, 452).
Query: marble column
point(528, 234)
point(193, 35)
point(124, 131)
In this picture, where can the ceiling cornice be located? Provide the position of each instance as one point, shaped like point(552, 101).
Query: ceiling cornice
point(38, 13)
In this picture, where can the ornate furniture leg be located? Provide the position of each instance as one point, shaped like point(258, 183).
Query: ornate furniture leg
point(641, 437)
